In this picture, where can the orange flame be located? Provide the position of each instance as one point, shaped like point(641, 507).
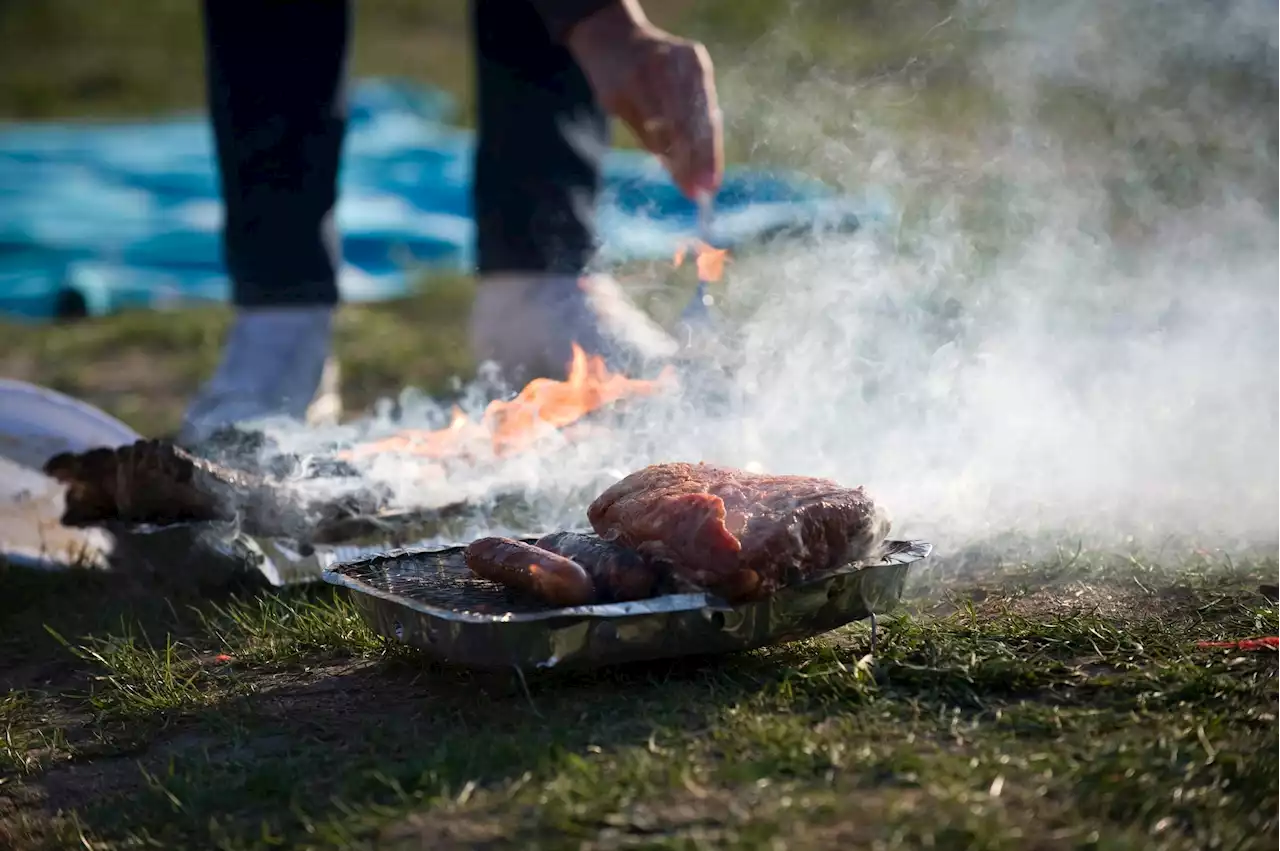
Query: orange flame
point(710, 261)
point(544, 405)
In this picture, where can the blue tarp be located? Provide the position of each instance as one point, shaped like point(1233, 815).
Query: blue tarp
point(127, 215)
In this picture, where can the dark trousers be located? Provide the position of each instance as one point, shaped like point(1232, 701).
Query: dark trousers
point(277, 74)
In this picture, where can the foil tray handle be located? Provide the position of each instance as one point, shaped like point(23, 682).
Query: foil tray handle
point(428, 599)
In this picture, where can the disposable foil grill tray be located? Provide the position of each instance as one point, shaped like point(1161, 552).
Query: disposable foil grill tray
point(441, 581)
point(430, 600)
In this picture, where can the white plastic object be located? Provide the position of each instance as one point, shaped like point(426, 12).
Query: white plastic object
point(37, 423)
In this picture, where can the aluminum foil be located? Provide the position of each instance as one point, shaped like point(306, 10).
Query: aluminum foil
point(209, 553)
point(428, 599)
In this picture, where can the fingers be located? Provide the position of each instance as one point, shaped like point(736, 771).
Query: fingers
point(696, 157)
point(653, 125)
point(664, 89)
point(685, 88)
point(639, 106)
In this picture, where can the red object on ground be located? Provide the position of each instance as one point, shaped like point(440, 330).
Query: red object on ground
point(1270, 642)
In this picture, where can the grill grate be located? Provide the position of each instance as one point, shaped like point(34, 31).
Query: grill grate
point(439, 579)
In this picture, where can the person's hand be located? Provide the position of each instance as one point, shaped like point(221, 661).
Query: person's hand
point(662, 86)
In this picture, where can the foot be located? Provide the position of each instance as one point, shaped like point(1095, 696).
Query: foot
point(275, 363)
point(527, 325)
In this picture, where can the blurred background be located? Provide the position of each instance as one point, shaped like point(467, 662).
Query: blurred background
point(105, 150)
point(973, 118)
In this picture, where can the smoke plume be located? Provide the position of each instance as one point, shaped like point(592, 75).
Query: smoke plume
point(1073, 329)
point(1069, 326)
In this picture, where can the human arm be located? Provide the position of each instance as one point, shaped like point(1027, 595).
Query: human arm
point(660, 85)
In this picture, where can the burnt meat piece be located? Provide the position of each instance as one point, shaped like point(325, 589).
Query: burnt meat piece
point(737, 534)
point(151, 481)
point(619, 574)
point(156, 482)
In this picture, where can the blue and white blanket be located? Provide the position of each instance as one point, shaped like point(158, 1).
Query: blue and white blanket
point(108, 216)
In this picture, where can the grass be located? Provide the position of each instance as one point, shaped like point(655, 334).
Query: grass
point(1061, 703)
point(141, 366)
point(66, 59)
point(1033, 707)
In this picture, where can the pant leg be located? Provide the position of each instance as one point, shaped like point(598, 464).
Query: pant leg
point(541, 136)
point(276, 78)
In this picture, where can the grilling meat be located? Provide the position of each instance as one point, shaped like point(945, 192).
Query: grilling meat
point(551, 578)
point(564, 569)
point(618, 574)
point(151, 481)
point(156, 482)
point(737, 534)
point(692, 526)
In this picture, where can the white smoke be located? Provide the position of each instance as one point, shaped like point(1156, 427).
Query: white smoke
point(1072, 330)
point(1098, 355)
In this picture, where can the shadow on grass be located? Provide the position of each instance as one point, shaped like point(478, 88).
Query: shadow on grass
point(360, 736)
point(280, 719)
point(265, 711)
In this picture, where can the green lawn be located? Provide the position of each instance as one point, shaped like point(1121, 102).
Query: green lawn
point(1058, 704)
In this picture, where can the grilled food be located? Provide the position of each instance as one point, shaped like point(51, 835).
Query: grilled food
point(738, 534)
point(619, 574)
point(532, 570)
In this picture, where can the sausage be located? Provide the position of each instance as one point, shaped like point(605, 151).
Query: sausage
point(618, 573)
point(550, 578)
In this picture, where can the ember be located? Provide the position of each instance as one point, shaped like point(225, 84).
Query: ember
point(710, 261)
point(509, 427)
